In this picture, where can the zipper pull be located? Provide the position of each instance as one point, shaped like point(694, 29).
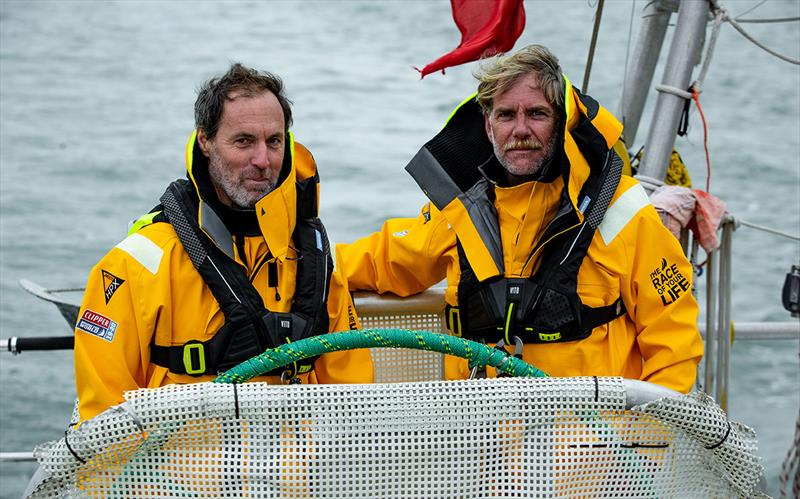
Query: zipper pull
point(272, 277)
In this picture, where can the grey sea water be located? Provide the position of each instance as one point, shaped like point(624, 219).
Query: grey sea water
point(96, 105)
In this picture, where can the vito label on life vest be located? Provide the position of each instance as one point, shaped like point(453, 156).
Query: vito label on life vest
point(668, 282)
point(96, 324)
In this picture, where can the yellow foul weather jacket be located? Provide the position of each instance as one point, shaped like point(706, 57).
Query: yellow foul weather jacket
point(146, 292)
point(633, 265)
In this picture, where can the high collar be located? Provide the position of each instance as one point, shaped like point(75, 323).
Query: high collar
point(447, 170)
point(273, 216)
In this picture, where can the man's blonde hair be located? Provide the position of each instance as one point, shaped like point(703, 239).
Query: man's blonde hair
point(500, 73)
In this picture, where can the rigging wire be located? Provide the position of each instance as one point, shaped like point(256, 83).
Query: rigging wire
point(712, 43)
point(627, 57)
point(751, 9)
point(759, 44)
point(593, 45)
point(773, 20)
point(767, 229)
point(721, 11)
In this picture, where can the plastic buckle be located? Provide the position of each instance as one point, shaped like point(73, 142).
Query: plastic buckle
point(188, 365)
point(454, 321)
point(548, 337)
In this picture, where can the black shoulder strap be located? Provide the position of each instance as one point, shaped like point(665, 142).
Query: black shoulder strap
point(223, 276)
point(249, 327)
point(557, 278)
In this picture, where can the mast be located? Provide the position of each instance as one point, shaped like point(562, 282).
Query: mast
point(655, 18)
point(683, 55)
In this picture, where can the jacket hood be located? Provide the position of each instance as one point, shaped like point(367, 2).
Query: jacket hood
point(274, 215)
point(449, 170)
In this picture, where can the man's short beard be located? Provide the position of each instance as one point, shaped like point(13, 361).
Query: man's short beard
point(223, 178)
point(527, 170)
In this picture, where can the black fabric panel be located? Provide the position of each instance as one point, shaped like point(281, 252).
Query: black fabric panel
point(286, 167)
point(462, 145)
point(314, 273)
point(201, 175)
point(591, 143)
point(592, 107)
point(307, 197)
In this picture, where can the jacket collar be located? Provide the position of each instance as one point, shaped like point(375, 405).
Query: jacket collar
point(273, 217)
point(448, 169)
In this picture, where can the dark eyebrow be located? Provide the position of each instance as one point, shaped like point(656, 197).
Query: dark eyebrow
point(502, 108)
point(243, 135)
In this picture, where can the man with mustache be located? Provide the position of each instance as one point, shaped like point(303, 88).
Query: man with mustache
point(233, 261)
point(542, 241)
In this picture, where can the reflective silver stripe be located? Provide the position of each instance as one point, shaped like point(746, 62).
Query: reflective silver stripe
point(143, 250)
point(484, 218)
point(432, 179)
point(441, 190)
point(622, 211)
point(216, 230)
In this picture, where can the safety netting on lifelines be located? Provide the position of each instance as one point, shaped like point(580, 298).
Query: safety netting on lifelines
point(504, 437)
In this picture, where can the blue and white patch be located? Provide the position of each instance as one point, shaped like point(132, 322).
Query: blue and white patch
point(319, 239)
point(97, 325)
point(584, 204)
point(400, 233)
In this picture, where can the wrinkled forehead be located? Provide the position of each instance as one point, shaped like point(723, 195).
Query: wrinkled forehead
point(527, 83)
point(248, 109)
point(523, 91)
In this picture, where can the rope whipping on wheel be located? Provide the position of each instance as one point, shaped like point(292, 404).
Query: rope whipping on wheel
point(478, 354)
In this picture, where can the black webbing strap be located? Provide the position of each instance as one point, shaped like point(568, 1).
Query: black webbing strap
point(193, 358)
point(592, 317)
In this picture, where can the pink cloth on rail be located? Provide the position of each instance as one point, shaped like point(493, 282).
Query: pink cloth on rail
point(681, 207)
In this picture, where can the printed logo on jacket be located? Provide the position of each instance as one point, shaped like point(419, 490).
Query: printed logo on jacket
point(96, 324)
point(111, 284)
point(668, 282)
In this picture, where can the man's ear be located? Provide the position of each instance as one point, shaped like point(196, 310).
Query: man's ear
point(203, 141)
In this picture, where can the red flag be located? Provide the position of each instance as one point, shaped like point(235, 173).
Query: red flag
point(488, 27)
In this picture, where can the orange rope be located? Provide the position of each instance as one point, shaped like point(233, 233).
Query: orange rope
point(696, 98)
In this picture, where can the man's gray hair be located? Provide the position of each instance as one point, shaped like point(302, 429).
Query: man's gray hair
point(500, 73)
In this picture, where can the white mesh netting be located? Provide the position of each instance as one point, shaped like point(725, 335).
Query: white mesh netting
point(394, 365)
point(507, 437)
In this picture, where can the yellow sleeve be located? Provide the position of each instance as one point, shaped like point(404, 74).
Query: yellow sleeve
point(351, 366)
point(407, 256)
point(659, 298)
point(111, 346)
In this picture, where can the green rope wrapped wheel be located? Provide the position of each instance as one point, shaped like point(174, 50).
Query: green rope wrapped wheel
point(478, 354)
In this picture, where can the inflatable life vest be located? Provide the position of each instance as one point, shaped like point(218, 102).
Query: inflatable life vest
point(249, 327)
point(544, 307)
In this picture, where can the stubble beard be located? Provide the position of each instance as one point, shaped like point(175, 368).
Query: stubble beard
point(223, 177)
point(526, 169)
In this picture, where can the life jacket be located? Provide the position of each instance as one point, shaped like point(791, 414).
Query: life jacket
point(249, 327)
point(544, 307)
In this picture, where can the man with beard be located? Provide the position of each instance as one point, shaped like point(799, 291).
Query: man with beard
point(544, 244)
point(233, 261)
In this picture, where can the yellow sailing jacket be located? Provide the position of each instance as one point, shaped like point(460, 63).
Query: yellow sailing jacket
point(147, 291)
point(632, 256)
